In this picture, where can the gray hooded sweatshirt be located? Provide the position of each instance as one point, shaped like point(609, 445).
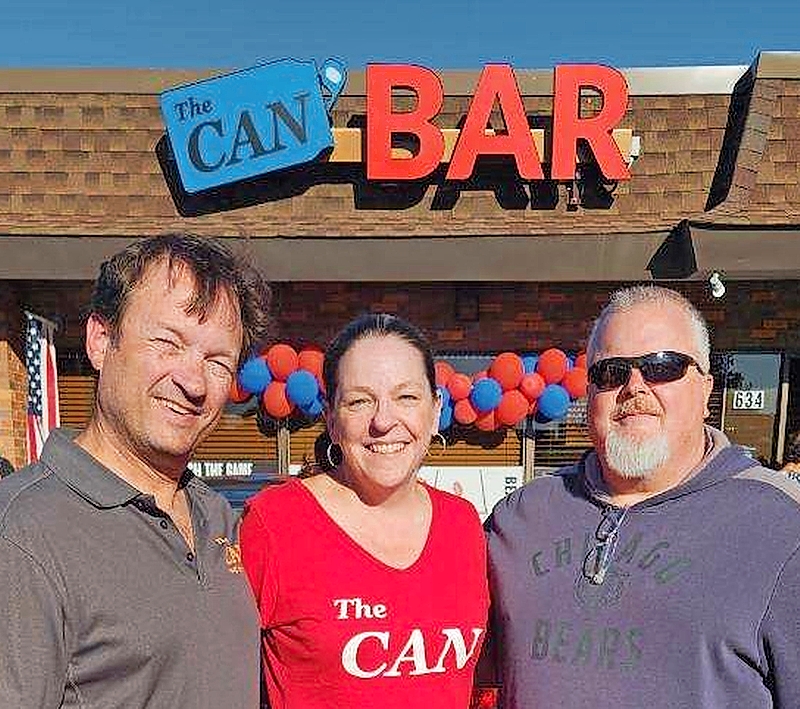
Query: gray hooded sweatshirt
point(699, 608)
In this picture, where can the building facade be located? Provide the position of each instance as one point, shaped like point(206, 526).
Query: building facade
point(486, 265)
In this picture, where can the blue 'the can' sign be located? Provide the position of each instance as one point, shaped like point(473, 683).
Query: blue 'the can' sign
point(251, 122)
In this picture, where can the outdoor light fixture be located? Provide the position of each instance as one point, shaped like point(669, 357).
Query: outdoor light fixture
point(573, 196)
point(716, 284)
point(635, 149)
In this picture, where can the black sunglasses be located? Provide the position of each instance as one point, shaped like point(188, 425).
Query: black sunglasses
point(600, 556)
point(656, 368)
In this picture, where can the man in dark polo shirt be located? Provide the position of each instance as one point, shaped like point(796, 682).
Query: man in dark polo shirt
point(122, 585)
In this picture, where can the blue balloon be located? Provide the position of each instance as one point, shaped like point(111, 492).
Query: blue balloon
point(444, 395)
point(315, 408)
point(570, 362)
point(554, 402)
point(529, 363)
point(254, 376)
point(486, 394)
point(446, 417)
point(301, 388)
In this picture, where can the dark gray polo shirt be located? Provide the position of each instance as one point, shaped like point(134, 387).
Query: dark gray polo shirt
point(103, 604)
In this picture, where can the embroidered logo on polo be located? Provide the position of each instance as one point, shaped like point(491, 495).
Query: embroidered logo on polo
point(233, 554)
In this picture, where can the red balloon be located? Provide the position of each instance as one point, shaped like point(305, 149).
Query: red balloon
point(487, 421)
point(532, 386)
point(580, 361)
point(464, 412)
point(513, 407)
point(275, 402)
point(282, 361)
point(310, 359)
point(459, 386)
point(552, 365)
point(444, 370)
point(481, 374)
point(575, 382)
point(237, 395)
point(508, 370)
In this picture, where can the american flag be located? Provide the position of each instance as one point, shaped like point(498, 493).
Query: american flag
point(40, 361)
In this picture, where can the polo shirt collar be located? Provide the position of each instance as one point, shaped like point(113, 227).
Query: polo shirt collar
point(90, 479)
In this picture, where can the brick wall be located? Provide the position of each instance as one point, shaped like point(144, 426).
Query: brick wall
point(62, 302)
point(754, 316)
point(13, 381)
point(529, 316)
point(84, 163)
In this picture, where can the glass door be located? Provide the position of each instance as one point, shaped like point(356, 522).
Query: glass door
point(750, 401)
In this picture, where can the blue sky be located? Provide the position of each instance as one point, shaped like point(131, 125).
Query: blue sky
point(441, 34)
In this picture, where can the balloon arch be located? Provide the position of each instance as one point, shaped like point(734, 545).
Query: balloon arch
point(288, 382)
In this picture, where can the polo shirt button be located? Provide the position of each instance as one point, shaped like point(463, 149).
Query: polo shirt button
point(164, 524)
point(190, 557)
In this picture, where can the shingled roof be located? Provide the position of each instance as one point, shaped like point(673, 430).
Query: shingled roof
point(720, 146)
point(758, 175)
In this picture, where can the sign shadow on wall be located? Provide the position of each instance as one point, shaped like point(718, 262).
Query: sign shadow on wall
point(265, 134)
point(497, 176)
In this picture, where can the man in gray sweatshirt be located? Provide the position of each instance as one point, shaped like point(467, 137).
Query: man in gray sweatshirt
point(662, 570)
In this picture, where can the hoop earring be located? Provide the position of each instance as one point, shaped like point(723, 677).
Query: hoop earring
point(441, 440)
point(329, 454)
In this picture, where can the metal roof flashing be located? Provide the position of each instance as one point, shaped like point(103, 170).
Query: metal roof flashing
point(642, 81)
point(778, 65)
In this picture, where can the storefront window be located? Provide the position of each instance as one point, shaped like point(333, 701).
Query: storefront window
point(750, 400)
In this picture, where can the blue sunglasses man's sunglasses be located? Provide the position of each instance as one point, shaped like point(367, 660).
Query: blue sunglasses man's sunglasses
point(656, 368)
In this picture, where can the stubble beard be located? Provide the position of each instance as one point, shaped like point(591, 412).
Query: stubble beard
point(634, 458)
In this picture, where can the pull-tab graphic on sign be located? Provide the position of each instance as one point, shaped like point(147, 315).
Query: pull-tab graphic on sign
point(251, 122)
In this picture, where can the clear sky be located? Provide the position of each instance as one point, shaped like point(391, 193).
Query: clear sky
point(441, 34)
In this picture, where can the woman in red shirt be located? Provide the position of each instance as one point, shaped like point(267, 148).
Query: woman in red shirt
point(371, 585)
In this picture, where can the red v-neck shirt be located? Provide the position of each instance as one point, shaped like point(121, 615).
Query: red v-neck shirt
point(343, 629)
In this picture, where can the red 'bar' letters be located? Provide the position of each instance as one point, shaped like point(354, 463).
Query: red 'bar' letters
point(568, 127)
point(382, 123)
point(497, 82)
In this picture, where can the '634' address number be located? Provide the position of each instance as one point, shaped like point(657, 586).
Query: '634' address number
point(748, 399)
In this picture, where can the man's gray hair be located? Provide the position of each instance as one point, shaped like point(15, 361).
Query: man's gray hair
point(627, 298)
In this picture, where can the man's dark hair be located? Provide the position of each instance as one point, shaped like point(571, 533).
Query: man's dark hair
point(215, 268)
point(792, 453)
point(374, 324)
